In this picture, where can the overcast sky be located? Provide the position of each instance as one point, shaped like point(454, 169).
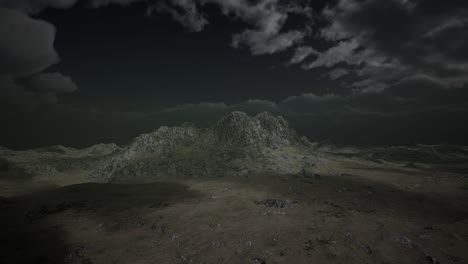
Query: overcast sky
point(352, 72)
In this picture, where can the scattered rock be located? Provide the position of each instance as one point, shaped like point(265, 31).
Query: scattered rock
point(311, 244)
point(277, 203)
point(409, 243)
point(323, 242)
point(78, 255)
point(367, 248)
point(274, 213)
point(307, 176)
point(332, 204)
point(258, 261)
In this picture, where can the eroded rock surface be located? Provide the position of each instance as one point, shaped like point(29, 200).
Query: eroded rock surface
point(238, 144)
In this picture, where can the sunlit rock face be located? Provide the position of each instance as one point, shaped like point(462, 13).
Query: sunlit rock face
point(235, 145)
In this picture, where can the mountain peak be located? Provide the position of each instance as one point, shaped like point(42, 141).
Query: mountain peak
point(235, 145)
point(263, 130)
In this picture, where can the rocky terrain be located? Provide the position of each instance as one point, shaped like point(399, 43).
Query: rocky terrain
point(236, 145)
point(245, 190)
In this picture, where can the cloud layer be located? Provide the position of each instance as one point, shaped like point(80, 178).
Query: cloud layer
point(401, 57)
point(26, 49)
point(383, 41)
point(388, 40)
point(267, 18)
point(27, 44)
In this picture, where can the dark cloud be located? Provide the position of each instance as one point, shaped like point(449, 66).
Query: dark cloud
point(34, 6)
point(54, 83)
point(183, 11)
point(264, 42)
point(384, 40)
point(387, 40)
point(301, 53)
point(342, 52)
point(405, 62)
point(338, 73)
point(26, 44)
point(27, 48)
point(267, 18)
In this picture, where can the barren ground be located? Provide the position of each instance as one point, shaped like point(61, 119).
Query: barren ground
point(347, 211)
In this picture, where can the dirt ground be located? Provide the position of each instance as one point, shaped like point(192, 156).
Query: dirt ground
point(355, 213)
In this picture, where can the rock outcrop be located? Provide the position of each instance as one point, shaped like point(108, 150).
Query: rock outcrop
point(165, 140)
point(264, 130)
point(237, 144)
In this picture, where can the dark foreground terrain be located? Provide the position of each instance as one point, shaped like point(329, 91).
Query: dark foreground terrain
point(247, 190)
point(303, 218)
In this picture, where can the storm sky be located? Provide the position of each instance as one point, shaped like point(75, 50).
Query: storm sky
point(348, 72)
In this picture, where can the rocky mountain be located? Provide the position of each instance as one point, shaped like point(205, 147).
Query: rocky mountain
point(264, 130)
point(237, 144)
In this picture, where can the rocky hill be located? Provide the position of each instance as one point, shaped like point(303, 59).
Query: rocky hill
point(264, 130)
point(237, 144)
